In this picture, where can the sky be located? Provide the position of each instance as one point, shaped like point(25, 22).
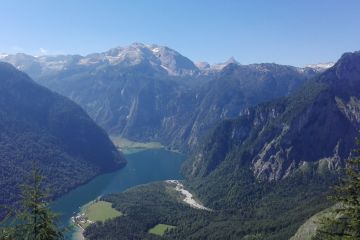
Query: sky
point(293, 32)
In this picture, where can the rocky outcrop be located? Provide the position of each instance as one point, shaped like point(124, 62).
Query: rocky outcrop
point(316, 126)
point(152, 93)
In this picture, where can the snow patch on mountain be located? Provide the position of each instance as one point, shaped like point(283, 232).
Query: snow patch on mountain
point(221, 66)
point(321, 66)
point(203, 65)
point(156, 50)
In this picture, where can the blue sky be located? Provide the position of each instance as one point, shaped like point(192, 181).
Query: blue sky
point(294, 32)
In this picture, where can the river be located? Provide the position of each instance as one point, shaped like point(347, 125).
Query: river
point(143, 167)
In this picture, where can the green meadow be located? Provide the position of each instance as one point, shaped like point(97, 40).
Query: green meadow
point(101, 211)
point(160, 229)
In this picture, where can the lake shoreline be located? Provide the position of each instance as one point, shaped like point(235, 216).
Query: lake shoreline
point(136, 172)
point(128, 146)
point(78, 233)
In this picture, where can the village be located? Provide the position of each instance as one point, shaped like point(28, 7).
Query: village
point(81, 220)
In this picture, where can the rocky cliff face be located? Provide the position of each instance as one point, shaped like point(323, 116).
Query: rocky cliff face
point(237, 88)
point(314, 128)
point(152, 93)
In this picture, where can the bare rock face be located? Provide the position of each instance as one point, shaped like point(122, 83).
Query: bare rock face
point(315, 127)
point(153, 93)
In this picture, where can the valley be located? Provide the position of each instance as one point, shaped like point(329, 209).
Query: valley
point(163, 165)
point(179, 120)
point(242, 174)
point(151, 93)
point(254, 138)
point(128, 146)
point(41, 128)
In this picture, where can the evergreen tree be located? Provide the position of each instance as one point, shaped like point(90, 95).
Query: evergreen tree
point(33, 219)
point(345, 223)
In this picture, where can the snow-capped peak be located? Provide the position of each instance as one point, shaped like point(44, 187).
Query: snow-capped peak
point(160, 58)
point(155, 50)
point(321, 66)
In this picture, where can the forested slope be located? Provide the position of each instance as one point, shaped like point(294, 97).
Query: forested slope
point(37, 125)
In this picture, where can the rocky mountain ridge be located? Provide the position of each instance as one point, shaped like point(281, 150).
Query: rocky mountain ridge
point(152, 93)
point(313, 128)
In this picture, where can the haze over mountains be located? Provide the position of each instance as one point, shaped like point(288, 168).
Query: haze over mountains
point(153, 93)
point(265, 140)
point(263, 173)
point(180, 120)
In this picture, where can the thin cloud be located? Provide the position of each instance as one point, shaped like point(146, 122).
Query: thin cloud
point(43, 51)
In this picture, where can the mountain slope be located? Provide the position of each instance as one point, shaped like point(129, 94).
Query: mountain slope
point(153, 58)
point(266, 172)
point(153, 93)
point(283, 155)
point(236, 88)
point(315, 125)
point(308, 230)
point(39, 125)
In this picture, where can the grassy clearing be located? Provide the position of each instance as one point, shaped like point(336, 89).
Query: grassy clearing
point(129, 146)
point(101, 211)
point(160, 229)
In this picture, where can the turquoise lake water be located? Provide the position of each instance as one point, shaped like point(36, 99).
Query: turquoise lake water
point(143, 167)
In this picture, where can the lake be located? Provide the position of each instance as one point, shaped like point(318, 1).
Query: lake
point(143, 167)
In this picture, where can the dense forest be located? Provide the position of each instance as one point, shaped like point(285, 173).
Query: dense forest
point(180, 120)
point(268, 209)
point(37, 125)
point(264, 173)
point(143, 207)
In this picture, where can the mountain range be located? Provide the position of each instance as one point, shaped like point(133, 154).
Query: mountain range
point(153, 93)
point(266, 171)
point(266, 141)
point(315, 127)
point(284, 155)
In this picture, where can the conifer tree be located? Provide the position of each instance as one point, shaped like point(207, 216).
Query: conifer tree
point(345, 223)
point(33, 219)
